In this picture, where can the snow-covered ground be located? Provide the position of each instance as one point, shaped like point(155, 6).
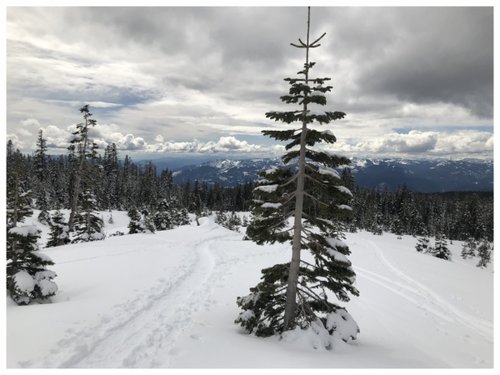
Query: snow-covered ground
point(169, 300)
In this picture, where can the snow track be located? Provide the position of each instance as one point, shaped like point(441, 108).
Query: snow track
point(142, 332)
point(168, 300)
point(422, 296)
point(433, 302)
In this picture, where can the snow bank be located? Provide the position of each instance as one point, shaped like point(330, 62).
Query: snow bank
point(168, 300)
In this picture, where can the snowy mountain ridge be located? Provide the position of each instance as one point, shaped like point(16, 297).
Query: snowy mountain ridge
point(418, 175)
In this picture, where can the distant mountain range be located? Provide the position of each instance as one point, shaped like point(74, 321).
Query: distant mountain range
point(417, 175)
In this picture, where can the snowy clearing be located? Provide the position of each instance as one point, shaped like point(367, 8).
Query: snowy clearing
point(169, 300)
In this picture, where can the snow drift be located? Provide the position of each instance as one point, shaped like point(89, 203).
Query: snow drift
point(169, 300)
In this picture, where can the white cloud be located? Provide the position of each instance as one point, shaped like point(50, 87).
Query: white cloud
point(465, 142)
point(76, 103)
point(228, 144)
point(56, 137)
point(420, 144)
point(413, 142)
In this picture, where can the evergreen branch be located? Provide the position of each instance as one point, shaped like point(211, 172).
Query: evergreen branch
point(317, 40)
point(294, 80)
point(307, 263)
point(315, 180)
point(292, 179)
point(316, 200)
point(312, 294)
point(280, 135)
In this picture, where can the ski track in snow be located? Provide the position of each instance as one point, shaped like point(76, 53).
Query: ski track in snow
point(142, 332)
point(424, 298)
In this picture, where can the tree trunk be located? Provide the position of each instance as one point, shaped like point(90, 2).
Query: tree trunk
point(293, 274)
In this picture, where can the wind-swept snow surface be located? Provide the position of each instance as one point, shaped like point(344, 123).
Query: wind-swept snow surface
point(169, 300)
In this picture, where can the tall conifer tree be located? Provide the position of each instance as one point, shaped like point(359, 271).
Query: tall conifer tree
point(79, 148)
point(304, 203)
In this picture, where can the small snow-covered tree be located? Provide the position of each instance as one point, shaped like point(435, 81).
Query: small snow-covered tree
point(59, 231)
point(220, 217)
point(304, 203)
point(484, 253)
point(233, 222)
point(163, 215)
point(244, 221)
point(27, 276)
point(88, 225)
point(135, 224)
point(440, 249)
point(422, 244)
point(149, 223)
point(469, 248)
point(182, 217)
point(41, 176)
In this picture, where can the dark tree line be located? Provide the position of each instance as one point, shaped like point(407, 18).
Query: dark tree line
point(457, 216)
point(122, 184)
point(117, 184)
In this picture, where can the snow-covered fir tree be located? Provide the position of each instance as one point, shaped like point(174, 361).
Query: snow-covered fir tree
point(484, 253)
point(220, 217)
point(469, 248)
point(149, 223)
point(135, 224)
point(302, 203)
point(244, 221)
point(59, 231)
point(440, 249)
point(41, 183)
point(81, 148)
point(422, 245)
point(27, 276)
point(182, 217)
point(88, 226)
point(163, 215)
point(233, 222)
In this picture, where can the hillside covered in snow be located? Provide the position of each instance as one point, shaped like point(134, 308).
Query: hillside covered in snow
point(169, 300)
point(418, 175)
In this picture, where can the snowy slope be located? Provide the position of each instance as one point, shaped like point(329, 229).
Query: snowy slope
point(168, 300)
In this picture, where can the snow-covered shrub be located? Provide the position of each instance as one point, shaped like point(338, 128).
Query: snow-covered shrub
point(230, 221)
point(27, 276)
point(149, 224)
point(484, 253)
point(469, 248)
point(181, 217)
point(59, 231)
point(135, 225)
point(422, 244)
point(163, 216)
point(88, 225)
point(440, 249)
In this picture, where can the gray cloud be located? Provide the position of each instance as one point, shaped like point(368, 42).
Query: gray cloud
point(206, 73)
point(441, 55)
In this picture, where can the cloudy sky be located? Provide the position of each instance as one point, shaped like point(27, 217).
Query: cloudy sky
point(415, 82)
